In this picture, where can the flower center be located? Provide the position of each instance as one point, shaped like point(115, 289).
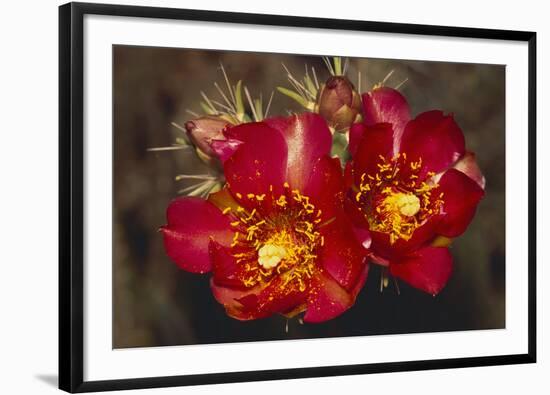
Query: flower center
point(406, 203)
point(397, 199)
point(281, 239)
point(270, 255)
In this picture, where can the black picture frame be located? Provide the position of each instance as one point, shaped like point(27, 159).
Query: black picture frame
point(71, 197)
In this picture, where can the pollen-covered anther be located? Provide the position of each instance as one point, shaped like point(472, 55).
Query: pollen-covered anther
point(270, 255)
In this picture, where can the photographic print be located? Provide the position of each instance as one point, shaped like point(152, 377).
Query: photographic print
point(239, 188)
point(261, 196)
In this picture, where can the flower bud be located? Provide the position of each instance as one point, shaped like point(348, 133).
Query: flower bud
point(339, 103)
point(203, 130)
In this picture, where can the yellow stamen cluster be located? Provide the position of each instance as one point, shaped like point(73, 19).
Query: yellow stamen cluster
point(282, 240)
point(395, 202)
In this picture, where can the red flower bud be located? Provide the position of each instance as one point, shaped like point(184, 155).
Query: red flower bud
point(339, 103)
point(203, 130)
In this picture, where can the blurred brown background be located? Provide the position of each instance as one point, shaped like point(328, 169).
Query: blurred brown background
point(157, 304)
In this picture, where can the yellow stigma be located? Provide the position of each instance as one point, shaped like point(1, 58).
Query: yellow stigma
point(407, 203)
point(270, 255)
point(396, 215)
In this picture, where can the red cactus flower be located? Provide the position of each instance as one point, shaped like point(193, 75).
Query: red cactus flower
point(276, 238)
point(414, 186)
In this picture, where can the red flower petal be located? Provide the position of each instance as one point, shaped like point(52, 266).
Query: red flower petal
point(225, 148)
point(386, 105)
point(327, 299)
point(228, 297)
point(434, 138)
point(468, 165)
point(325, 186)
point(258, 164)
point(461, 195)
point(359, 223)
point(342, 256)
point(377, 141)
point(356, 132)
point(192, 223)
point(354, 212)
point(308, 139)
point(224, 266)
point(428, 269)
point(348, 175)
point(274, 298)
point(362, 235)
